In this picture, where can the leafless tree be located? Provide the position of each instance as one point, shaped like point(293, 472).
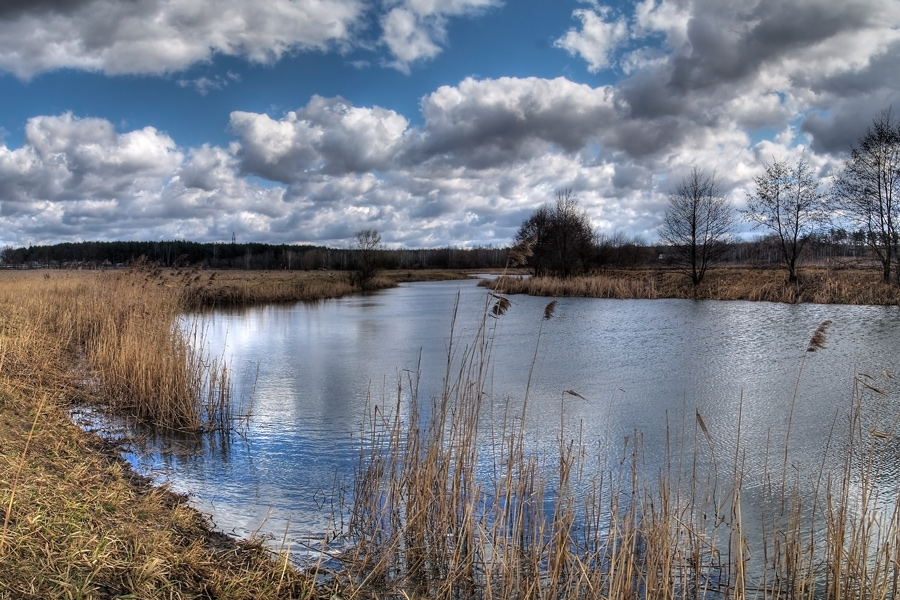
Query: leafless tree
point(867, 189)
point(698, 224)
point(788, 201)
point(368, 243)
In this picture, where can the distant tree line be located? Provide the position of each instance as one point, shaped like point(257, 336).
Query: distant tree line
point(255, 256)
point(857, 216)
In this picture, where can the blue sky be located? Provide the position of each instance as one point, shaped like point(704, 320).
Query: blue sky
point(437, 122)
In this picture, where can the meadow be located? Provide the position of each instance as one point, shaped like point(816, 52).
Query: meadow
point(78, 523)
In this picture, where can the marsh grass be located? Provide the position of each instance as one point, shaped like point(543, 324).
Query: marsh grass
point(76, 523)
point(126, 333)
point(205, 289)
point(450, 504)
point(818, 285)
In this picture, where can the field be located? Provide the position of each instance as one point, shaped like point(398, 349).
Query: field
point(76, 523)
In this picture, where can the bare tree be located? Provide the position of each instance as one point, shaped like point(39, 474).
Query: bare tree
point(867, 189)
point(368, 243)
point(788, 201)
point(561, 237)
point(698, 224)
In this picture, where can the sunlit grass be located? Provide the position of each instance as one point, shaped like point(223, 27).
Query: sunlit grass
point(437, 513)
point(76, 523)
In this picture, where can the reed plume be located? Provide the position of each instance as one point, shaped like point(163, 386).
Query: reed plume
point(817, 341)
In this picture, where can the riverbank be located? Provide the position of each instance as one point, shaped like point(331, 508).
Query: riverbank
point(816, 285)
point(210, 288)
point(75, 521)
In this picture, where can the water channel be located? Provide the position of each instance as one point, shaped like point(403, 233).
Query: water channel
point(312, 371)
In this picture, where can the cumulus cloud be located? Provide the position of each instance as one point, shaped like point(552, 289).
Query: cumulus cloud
point(416, 30)
point(719, 84)
point(597, 39)
point(486, 123)
point(326, 137)
point(164, 36)
point(78, 178)
point(157, 36)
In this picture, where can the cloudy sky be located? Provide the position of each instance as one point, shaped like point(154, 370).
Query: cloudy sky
point(437, 122)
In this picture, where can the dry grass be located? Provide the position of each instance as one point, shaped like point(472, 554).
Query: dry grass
point(76, 523)
point(818, 285)
point(119, 333)
point(210, 288)
point(434, 517)
point(448, 504)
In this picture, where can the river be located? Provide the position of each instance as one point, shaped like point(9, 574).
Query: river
point(311, 371)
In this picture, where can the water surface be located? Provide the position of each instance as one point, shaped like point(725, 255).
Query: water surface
point(641, 366)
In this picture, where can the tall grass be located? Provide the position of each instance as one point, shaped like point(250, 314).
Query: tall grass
point(74, 521)
point(450, 503)
point(122, 336)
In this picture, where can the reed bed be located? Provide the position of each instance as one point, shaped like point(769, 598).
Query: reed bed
point(205, 288)
point(122, 334)
point(450, 504)
point(74, 521)
point(817, 285)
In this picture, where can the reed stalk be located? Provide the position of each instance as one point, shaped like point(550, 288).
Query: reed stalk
point(447, 506)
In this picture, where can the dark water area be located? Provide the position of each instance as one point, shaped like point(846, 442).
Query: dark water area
point(643, 369)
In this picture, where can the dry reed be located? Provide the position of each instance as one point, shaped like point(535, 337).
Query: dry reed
point(818, 285)
point(76, 523)
point(447, 506)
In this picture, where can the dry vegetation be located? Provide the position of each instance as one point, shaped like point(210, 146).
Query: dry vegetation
point(818, 285)
point(434, 518)
point(76, 523)
point(234, 288)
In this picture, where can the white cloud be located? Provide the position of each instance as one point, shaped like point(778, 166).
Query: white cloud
point(416, 30)
point(598, 38)
point(704, 78)
point(164, 36)
point(483, 123)
point(159, 36)
point(327, 136)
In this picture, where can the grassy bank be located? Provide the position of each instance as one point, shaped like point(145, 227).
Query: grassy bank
point(236, 288)
point(818, 285)
point(76, 523)
point(426, 521)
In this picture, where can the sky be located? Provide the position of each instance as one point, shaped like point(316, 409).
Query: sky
point(436, 122)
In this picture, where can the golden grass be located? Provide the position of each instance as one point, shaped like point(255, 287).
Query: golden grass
point(210, 288)
point(76, 523)
point(433, 516)
point(817, 285)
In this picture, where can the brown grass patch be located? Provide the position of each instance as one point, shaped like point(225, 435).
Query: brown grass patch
point(75, 521)
point(818, 285)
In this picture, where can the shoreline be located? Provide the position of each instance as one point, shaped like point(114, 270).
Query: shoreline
point(816, 285)
point(77, 520)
